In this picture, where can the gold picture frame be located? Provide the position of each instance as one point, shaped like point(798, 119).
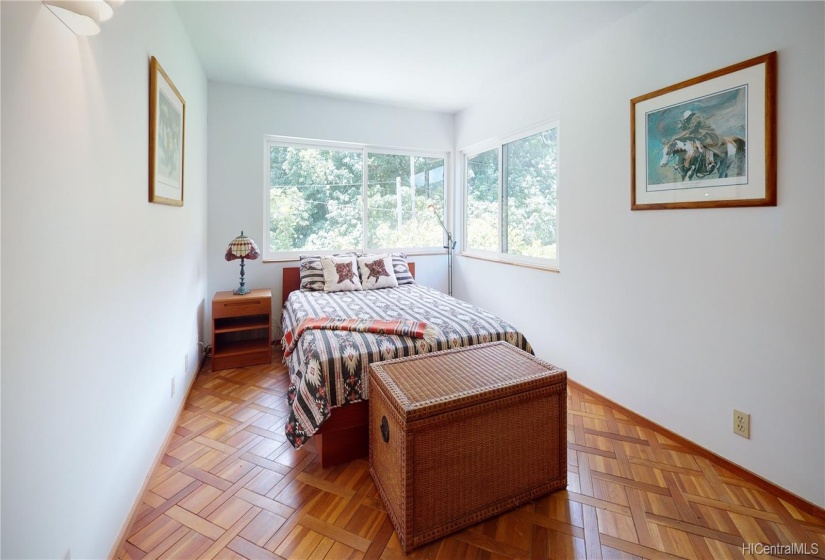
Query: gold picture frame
point(167, 134)
point(707, 142)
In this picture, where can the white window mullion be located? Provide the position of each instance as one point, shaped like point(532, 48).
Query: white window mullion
point(449, 197)
point(364, 201)
point(463, 202)
point(502, 202)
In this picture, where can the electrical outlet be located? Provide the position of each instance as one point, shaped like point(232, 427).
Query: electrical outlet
point(172, 396)
point(741, 424)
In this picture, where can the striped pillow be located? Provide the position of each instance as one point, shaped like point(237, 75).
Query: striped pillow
point(312, 273)
point(402, 269)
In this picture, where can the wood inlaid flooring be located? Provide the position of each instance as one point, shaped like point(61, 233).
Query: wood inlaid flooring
point(229, 486)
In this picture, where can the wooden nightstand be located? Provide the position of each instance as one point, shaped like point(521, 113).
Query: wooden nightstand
point(241, 329)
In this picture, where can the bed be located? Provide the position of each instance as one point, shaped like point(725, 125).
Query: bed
point(329, 369)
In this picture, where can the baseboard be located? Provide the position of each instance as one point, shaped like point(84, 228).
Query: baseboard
point(158, 458)
point(798, 502)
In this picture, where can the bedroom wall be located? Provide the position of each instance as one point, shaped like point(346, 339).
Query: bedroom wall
point(680, 315)
point(102, 292)
point(240, 116)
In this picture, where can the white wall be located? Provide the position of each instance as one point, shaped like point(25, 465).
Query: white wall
point(680, 315)
point(102, 292)
point(239, 117)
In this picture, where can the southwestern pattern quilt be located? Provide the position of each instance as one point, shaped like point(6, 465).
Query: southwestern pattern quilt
point(330, 368)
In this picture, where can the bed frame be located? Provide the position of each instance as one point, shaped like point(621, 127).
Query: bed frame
point(345, 435)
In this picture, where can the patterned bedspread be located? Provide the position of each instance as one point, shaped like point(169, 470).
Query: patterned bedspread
point(330, 368)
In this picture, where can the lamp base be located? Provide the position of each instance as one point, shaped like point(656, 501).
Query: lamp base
point(241, 290)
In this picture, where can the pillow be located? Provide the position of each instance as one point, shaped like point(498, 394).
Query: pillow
point(376, 272)
point(312, 273)
point(402, 269)
point(340, 274)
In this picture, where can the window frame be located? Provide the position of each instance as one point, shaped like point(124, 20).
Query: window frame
point(365, 149)
point(471, 152)
point(498, 143)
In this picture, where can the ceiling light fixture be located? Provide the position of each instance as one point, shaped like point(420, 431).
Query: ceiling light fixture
point(83, 17)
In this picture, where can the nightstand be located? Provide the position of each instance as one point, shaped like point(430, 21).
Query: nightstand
point(241, 329)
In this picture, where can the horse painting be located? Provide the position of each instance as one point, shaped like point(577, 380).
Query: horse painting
point(693, 160)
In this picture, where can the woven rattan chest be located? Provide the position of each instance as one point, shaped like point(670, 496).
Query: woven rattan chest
point(462, 435)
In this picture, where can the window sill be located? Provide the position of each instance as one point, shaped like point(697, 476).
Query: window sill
point(547, 268)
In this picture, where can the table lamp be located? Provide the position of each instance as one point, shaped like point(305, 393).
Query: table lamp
point(242, 247)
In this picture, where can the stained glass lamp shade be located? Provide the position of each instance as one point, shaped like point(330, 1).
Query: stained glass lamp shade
point(242, 247)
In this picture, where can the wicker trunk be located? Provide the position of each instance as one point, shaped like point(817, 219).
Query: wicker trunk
point(462, 435)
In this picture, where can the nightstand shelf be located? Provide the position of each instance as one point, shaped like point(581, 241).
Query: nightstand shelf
point(241, 329)
point(236, 324)
point(243, 346)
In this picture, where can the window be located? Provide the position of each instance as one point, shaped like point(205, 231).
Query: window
point(314, 199)
point(511, 209)
point(530, 171)
point(399, 190)
point(482, 201)
point(335, 197)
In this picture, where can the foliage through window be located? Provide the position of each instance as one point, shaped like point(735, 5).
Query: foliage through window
point(399, 191)
point(482, 201)
point(530, 172)
point(314, 199)
point(511, 192)
point(321, 198)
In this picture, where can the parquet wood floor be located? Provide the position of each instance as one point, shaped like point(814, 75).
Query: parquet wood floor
point(229, 486)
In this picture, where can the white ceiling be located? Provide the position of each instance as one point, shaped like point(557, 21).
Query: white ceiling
point(432, 55)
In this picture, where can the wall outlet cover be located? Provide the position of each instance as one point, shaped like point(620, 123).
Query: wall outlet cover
point(741, 424)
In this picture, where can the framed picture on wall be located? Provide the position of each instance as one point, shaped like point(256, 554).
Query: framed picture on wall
point(707, 142)
point(167, 124)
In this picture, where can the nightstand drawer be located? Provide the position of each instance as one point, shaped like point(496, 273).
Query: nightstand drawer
point(241, 307)
point(241, 360)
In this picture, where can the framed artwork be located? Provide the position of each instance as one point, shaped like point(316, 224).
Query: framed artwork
point(707, 142)
point(167, 124)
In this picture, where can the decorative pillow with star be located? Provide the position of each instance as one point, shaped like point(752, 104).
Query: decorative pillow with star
point(312, 273)
point(377, 272)
point(340, 274)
